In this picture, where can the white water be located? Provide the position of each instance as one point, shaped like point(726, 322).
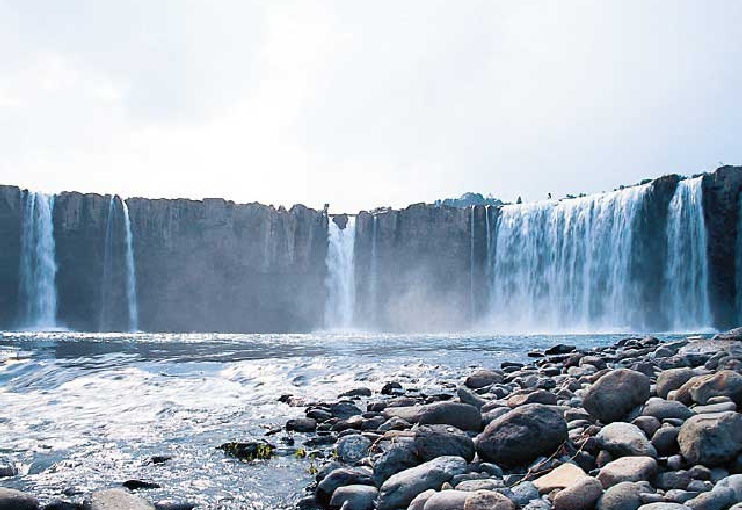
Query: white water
point(38, 268)
point(373, 275)
point(566, 264)
point(131, 275)
point(687, 294)
point(103, 322)
point(340, 280)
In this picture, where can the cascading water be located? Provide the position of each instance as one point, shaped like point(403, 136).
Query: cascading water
point(107, 284)
point(687, 258)
point(131, 276)
point(566, 264)
point(38, 268)
point(340, 279)
point(373, 274)
point(472, 263)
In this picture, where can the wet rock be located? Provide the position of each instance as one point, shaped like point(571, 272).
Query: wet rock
point(711, 439)
point(663, 409)
point(483, 378)
point(354, 497)
point(400, 489)
point(11, 499)
point(522, 435)
point(248, 451)
point(67, 505)
point(342, 477)
point(140, 484)
point(580, 496)
point(561, 477)
point(615, 394)
point(622, 496)
point(648, 424)
point(7, 470)
point(627, 469)
point(560, 349)
point(116, 499)
point(353, 448)
point(733, 482)
point(356, 392)
point(672, 480)
point(469, 397)
point(392, 388)
point(488, 500)
point(396, 459)
point(625, 439)
point(432, 441)
point(302, 425)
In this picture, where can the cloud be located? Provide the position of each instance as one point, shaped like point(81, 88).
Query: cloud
point(363, 104)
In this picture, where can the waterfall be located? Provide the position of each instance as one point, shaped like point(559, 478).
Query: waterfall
point(340, 281)
point(38, 269)
point(373, 274)
point(686, 273)
point(108, 253)
point(472, 262)
point(131, 276)
point(566, 264)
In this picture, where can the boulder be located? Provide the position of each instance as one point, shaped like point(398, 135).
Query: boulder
point(670, 380)
point(400, 489)
point(561, 477)
point(11, 499)
point(488, 500)
point(711, 439)
point(522, 435)
point(354, 497)
point(433, 441)
point(615, 394)
point(342, 477)
point(665, 440)
point(701, 388)
point(116, 499)
point(449, 499)
point(483, 378)
point(717, 499)
point(625, 439)
point(627, 469)
point(457, 414)
point(622, 496)
point(532, 397)
point(734, 482)
point(580, 496)
point(663, 409)
point(394, 460)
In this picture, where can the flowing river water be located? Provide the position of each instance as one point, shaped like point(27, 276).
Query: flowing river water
point(80, 412)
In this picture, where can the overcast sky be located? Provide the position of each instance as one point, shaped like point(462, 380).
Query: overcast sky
point(365, 103)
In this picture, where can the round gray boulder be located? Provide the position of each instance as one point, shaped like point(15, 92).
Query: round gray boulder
point(615, 394)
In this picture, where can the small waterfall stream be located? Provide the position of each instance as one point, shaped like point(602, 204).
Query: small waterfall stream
point(131, 274)
point(686, 274)
point(38, 268)
point(340, 280)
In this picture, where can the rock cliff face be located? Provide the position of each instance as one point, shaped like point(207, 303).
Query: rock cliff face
point(213, 265)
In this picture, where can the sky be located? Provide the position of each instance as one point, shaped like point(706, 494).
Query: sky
point(362, 104)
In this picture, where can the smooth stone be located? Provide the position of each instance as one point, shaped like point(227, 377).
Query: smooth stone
point(400, 489)
point(561, 477)
point(469, 397)
point(532, 397)
point(449, 499)
point(482, 378)
point(622, 496)
point(717, 499)
point(11, 499)
point(394, 460)
point(615, 394)
point(647, 424)
point(670, 380)
point(627, 469)
point(116, 499)
point(715, 408)
point(711, 439)
point(488, 500)
point(432, 441)
point(665, 440)
point(457, 414)
point(580, 496)
point(733, 482)
point(701, 388)
point(523, 493)
point(522, 435)
point(672, 480)
point(342, 477)
point(663, 409)
point(663, 506)
point(625, 439)
point(419, 502)
point(354, 497)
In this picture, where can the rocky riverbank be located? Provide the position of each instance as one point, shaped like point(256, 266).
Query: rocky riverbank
point(642, 422)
